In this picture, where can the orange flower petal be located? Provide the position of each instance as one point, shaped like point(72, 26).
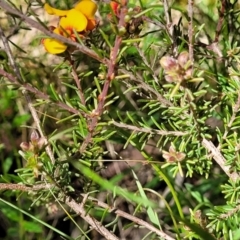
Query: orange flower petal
point(91, 24)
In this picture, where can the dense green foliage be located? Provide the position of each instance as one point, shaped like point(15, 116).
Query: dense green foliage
point(146, 122)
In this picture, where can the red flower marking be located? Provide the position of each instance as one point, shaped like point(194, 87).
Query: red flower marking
point(115, 7)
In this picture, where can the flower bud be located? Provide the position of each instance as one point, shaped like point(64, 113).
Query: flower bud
point(173, 156)
point(122, 30)
point(130, 10)
point(127, 18)
point(25, 146)
point(168, 63)
point(183, 58)
point(40, 143)
point(34, 136)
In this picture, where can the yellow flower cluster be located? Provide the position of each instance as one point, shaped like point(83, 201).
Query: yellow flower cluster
point(79, 19)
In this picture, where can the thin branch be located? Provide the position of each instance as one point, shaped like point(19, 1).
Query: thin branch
point(24, 188)
point(159, 24)
point(230, 213)
point(146, 87)
point(26, 95)
point(141, 53)
point(38, 93)
point(168, 17)
point(190, 30)
point(220, 160)
point(17, 27)
point(5, 6)
point(78, 83)
point(78, 208)
point(10, 55)
point(129, 217)
point(148, 130)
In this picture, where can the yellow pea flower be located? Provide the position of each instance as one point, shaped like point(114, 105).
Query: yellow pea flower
point(87, 7)
point(54, 46)
point(54, 11)
point(74, 19)
point(80, 18)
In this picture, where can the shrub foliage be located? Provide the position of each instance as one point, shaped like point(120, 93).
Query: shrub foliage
point(125, 127)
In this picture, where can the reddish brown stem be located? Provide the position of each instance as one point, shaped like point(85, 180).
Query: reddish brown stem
point(92, 123)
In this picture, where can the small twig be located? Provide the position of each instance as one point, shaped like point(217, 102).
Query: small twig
point(10, 56)
point(146, 63)
point(230, 213)
point(190, 30)
point(17, 27)
point(38, 93)
point(218, 157)
point(216, 49)
point(129, 217)
point(5, 6)
point(146, 87)
point(159, 24)
point(14, 30)
point(24, 188)
point(148, 130)
point(78, 83)
point(168, 17)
